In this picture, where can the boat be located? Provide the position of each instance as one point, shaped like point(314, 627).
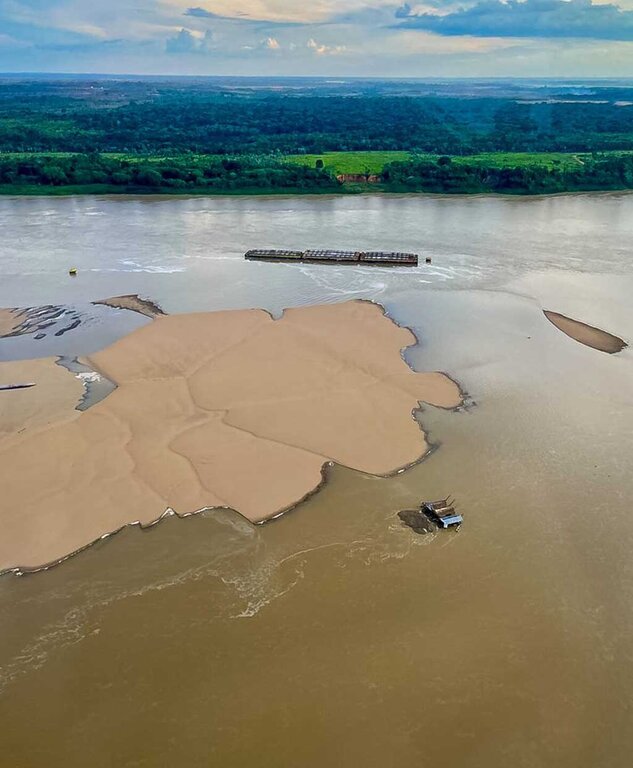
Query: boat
point(327, 256)
point(442, 513)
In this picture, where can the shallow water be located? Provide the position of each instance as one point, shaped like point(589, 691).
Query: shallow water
point(335, 634)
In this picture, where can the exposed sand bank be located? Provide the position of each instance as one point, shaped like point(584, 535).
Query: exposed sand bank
point(38, 321)
point(586, 334)
point(134, 303)
point(26, 411)
point(10, 321)
point(224, 409)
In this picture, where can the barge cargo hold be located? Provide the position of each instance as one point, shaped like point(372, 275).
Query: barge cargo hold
point(326, 256)
point(394, 258)
point(263, 254)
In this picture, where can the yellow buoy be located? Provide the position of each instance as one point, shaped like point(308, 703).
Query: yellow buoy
point(72, 271)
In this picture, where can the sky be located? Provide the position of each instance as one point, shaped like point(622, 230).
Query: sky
point(329, 38)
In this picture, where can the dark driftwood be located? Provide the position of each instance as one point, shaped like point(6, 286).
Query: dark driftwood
point(5, 387)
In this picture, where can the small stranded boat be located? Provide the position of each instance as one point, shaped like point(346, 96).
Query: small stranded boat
point(442, 513)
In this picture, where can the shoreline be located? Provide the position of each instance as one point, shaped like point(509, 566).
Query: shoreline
point(363, 191)
point(303, 433)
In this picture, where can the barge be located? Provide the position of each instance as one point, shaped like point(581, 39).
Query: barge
point(326, 256)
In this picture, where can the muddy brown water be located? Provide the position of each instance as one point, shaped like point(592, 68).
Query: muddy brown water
point(335, 634)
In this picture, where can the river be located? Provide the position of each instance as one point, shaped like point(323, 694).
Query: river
point(335, 635)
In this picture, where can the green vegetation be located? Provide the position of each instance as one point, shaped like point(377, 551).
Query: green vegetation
point(446, 176)
point(64, 173)
point(527, 173)
point(374, 162)
point(207, 116)
point(350, 162)
point(549, 160)
point(231, 137)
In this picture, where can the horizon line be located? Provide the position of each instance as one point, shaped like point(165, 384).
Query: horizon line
point(327, 78)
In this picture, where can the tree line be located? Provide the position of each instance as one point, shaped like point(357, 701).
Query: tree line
point(222, 174)
point(156, 119)
point(446, 176)
point(270, 173)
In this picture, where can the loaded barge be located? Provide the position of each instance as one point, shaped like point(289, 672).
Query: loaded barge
point(376, 258)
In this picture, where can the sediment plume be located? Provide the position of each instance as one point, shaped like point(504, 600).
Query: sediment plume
point(586, 334)
point(224, 409)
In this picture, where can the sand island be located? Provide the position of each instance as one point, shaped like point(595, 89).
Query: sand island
point(586, 334)
point(134, 303)
point(226, 409)
point(10, 321)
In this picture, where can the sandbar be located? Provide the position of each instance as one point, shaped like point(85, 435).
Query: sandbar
point(588, 335)
point(226, 409)
point(10, 321)
point(134, 303)
point(50, 402)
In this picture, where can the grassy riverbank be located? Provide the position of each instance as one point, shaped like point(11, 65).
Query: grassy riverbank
point(375, 162)
point(62, 173)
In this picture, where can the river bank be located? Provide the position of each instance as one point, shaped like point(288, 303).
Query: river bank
point(527, 173)
point(345, 189)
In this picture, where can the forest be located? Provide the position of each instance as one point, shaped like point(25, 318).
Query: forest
point(446, 176)
point(213, 174)
point(230, 134)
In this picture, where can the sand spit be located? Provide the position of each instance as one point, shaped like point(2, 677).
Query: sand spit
point(586, 334)
point(10, 321)
point(224, 409)
point(134, 303)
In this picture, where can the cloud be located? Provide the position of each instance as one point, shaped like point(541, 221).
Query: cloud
point(241, 17)
point(201, 13)
point(325, 50)
point(404, 12)
point(395, 38)
point(526, 18)
point(187, 42)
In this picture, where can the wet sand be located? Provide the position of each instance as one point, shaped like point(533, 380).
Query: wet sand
point(224, 409)
point(10, 321)
point(588, 335)
point(28, 411)
point(134, 303)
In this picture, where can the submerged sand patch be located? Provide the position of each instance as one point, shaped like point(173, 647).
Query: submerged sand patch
point(224, 409)
point(588, 335)
point(134, 303)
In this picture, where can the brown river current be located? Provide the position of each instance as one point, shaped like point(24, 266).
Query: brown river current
point(336, 636)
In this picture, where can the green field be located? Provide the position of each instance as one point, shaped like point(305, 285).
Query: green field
point(360, 162)
point(549, 160)
point(351, 162)
point(374, 162)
